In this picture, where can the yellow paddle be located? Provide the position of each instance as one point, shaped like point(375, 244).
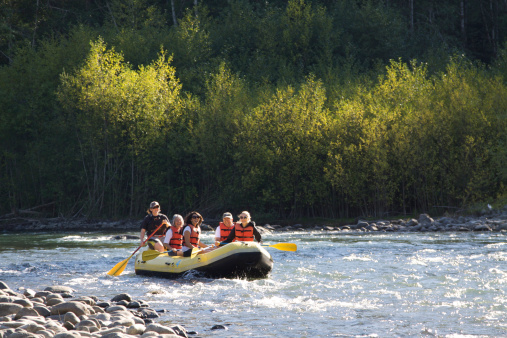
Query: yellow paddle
point(118, 268)
point(283, 246)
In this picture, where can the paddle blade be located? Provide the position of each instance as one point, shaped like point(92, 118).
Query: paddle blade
point(194, 253)
point(118, 268)
point(150, 254)
point(284, 246)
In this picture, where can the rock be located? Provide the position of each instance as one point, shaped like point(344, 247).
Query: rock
point(4, 286)
point(42, 310)
point(121, 296)
point(98, 309)
point(133, 305)
point(29, 293)
point(54, 301)
point(45, 333)
point(161, 329)
point(59, 289)
point(85, 300)
point(9, 309)
point(24, 302)
point(69, 326)
point(113, 335)
point(32, 328)
point(136, 329)
point(412, 222)
point(68, 335)
point(23, 334)
point(123, 303)
point(361, 224)
point(103, 304)
point(219, 327)
point(71, 317)
point(26, 312)
point(482, 227)
point(115, 308)
point(147, 313)
point(78, 308)
point(86, 323)
point(425, 219)
point(127, 322)
point(180, 330)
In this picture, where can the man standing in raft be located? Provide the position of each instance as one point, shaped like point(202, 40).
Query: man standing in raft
point(244, 231)
point(225, 227)
point(150, 223)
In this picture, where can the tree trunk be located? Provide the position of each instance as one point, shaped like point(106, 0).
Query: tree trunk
point(462, 20)
point(173, 11)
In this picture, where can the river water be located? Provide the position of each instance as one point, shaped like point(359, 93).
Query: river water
point(336, 285)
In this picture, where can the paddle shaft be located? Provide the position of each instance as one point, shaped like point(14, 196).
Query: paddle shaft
point(118, 268)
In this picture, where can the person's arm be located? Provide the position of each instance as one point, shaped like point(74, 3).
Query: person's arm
point(257, 234)
point(186, 238)
point(217, 234)
point(231, 237)
point(168, 236)
point(141, 235)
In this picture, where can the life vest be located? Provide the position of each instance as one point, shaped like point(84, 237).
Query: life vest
point(225, 231)
point(176, 240)
point(153, 223)
point(194, 235)
point(245, 234)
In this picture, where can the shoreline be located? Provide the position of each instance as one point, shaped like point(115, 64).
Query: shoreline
point(56, 312)
point(489, 221)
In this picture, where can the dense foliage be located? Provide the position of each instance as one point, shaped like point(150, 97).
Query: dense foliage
point(285, 108)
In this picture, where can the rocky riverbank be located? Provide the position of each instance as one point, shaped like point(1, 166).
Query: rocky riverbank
point(55, 312)
point(488, 221)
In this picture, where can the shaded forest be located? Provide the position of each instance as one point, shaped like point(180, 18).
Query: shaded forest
point(288, 109)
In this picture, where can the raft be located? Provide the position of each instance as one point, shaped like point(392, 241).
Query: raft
point(234, 260)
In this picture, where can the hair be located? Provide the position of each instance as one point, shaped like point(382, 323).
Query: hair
point(247, 214)
point(178, 216)
point(188, 218)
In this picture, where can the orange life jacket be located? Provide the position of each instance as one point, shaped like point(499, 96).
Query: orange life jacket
point(225, 231)
point(194, 235)
point(245, 234)
point(176, 240)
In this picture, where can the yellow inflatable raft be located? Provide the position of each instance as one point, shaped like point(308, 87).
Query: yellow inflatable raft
point(234, 260)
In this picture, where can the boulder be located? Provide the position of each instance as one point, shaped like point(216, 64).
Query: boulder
point(425, 219)
point(71, 317)
point(26, 312)
point(9, 309)
point(23, 334)
point(120, 297)
point(136, 329)
point(77, 308)
point(161, 329)
point(42, 310)
point(68, 335)
point(59, 289)
point(147, 313)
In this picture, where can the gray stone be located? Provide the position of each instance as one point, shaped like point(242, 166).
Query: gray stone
point(26, 312)
point(122, 322)
point(119, 329)
point(69, 326)
point(113, 335)
point(85, 300)
point(9, 309)
point(68, 335)
point(103, 304)
point(412, 222)
point(78, 308)
point(180, 330)
point(23, 334)
point(98, 309)
point(71, 317)
point(136, 329)
point(24, 302)
point(4, 286)
point(29, 293)
point(121, 296)
point(42, 310)
point(425, 219)
point(43, 294)
point(123, 303)
point(59, 289)
point(45, 333)
point(115, 308)
point(219, 327)
point(147, 313)
point(482, 227)
point(159, 329)
point(32, 327)
point(133, 305)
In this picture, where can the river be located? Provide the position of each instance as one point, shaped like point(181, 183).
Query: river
point(336, 285)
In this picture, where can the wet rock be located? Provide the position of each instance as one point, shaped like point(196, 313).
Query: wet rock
point(180, 330)
point(103, 304)
point(482, 227)
point(120, 297)
point(123, 303)
point(133, 305)
point(77, 308)
point(59, 289)
point(9, 309)
point(219, 327)
point(147, 313)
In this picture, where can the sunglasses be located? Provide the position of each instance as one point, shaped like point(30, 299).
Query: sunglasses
point(158, 206)
point(195, 216)
point(243, 217)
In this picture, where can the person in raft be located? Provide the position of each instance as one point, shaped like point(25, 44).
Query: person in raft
point(244, 231)
point(191, 233)
point(224, 228)
point(173, 241)
point(150, 223)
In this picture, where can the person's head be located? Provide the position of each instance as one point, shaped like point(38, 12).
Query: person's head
point(244, 217)
point(227, 219)
point(193, 218)
point(177, 220)
point(154, 208)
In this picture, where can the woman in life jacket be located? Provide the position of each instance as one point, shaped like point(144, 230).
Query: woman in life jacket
point(173, 241)
point(244, 231)
point(151, 222)
point(224, 228)
point(192, 233)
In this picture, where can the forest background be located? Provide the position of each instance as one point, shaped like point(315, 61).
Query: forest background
point(288, 109)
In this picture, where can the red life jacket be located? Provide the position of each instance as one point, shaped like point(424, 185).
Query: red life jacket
point(245, 234)
point(225, 231)
point(176, 240)
point(194, 235)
